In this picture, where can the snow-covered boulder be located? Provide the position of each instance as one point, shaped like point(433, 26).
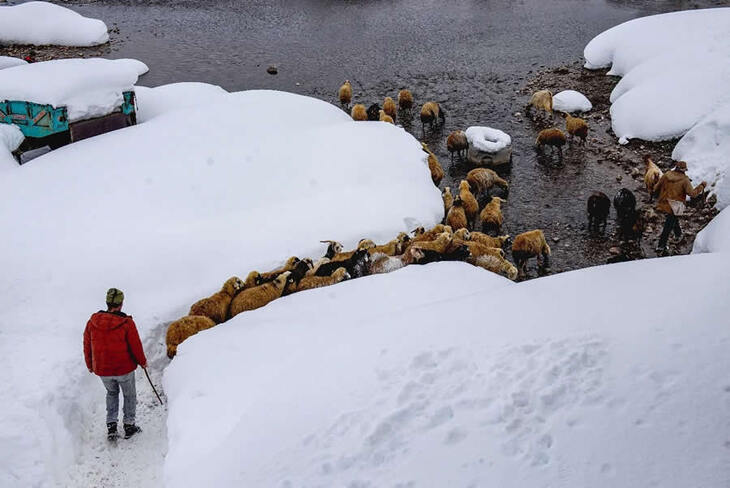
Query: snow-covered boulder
point(152, 102)
point(488, 146)
point(41, 23)
point(11, 138)
point(571, 101)
point(86, 87)
point(716, 236)
point(9, 62)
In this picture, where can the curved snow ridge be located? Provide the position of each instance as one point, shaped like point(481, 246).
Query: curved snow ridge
point(487, 139)
point(42, 23)
point(9, 62)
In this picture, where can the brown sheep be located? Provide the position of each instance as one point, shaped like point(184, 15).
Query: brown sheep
point(261, 295)
point(385, 264)
point(391, 248)
point(253, 279)
point(405, 99)
point(482, 179)
point(462, 234)
point(527, 245)
point(311, 282)
point(359, 112)
point(438, 245)
point(431, 113)
point(652, 176)
point(365, 244)
point(496, 265)
point(576, 126)
point(471, 206)
point(183, 328)
point(477, 249)
point(389, 108)
point(431, 234)
point(457, 143)
point(437, 172)
point(345, 93)
point(385, 117)
point(456, 218)
point(541, 100)
point(448, 199)
point(215, 307)
point(489, 240)
point(552, 137)
point(491, 214)
point(288, 266)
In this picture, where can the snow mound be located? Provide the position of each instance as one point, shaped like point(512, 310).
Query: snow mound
point(9, 62)
point(571, 101)
point(87, 87)
point(487, 139)
point(152, 102)
point(167, 210)
point(716, 236)
point(441, 376)
point(42, 23)
point(676, 70)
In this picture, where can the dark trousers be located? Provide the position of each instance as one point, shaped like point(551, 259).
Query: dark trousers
point(671, 224)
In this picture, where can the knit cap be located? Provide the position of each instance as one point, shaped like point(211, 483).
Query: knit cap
point(114, 297)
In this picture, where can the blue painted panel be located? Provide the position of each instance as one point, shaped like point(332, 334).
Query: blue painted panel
point(34, 119)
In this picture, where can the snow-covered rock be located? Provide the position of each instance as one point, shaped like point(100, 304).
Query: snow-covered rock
point(676, 73)
point(9, 61)
point(166, 211)
point(446, 375)
point(87, 87)
point(42, 23)
point(716, 236)
point(152, 102)
point(488, 146)
point(571, 101)
point(11, 138)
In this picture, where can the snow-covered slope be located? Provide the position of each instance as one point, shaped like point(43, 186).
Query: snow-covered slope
point(43, 23)
point(167, 211)
point(448, 376)
point(676, 70)
point(9, 62)
point(716, 236)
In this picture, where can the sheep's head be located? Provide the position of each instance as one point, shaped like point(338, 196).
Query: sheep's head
point(232, 285)
point(418, 231)
point(462, 234)
point(464, 185)
point(291, 262)
point(447, 191)
point(333, 248)
point(253, 279)
point(365, 244)
point(458, 202)
point(283, 280)
point(308, 262)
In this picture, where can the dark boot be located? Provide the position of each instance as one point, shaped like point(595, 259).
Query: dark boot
point(130, 430)
point(111, 430)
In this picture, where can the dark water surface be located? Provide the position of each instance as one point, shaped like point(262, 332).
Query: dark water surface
point(472, 56)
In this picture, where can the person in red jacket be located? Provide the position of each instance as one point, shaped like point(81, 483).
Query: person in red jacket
point(112, 350)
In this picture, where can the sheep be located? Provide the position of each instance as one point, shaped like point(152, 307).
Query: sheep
point(527, 245)
point(482, 179)
point(471, 206)
point(496, 265)
point(383, 117)
point(183, 328)
point(301, 269)
point(311, 282)
point(373, 112)
point(333, 248)
point(359, 112)
point(457, 143)
point(365, 244)
point(437, 172)
point(652, 176)
point(625, 204)
point(491, 214)
point(316, 266)
point(430, 113)
point(345, 93)
point(389, 108)
point(382, 263)
point(439, 245)
point(271, 275)
point(541, 100)
point(356, 265)
point(396, 246)
point(462, 234)
point(489, 240)
point(261, 295)
point(215, 307)
point(456, 218)
point(448, 199)
point(552, 137)
point(576, 127)
point(253, 279)
point(476, 249)
point(431, 234)
point(599, 207)
point(405, 99)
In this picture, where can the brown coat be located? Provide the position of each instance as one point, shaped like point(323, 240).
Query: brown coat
point(675, 185)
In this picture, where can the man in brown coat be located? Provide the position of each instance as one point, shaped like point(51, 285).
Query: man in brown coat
point(673, 188)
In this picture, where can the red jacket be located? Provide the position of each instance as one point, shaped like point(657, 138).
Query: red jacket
point(111, 344)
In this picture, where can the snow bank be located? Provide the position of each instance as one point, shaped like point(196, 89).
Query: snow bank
point(166, 211)
point(676, 73)
point(11, 137)
point(571, 101)
point(152, 102)
point(716, 236)
point(441, 376)
point(487, 139)
point(9, 62)
point(42, 23)
point(87, 87)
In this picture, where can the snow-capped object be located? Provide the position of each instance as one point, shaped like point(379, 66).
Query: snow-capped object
point(152, 102)
point(87, 87)
point(571, 101)
point(41, 23)
point(716, 236)
point(11, 138)
point(9, 61)
point(487, 139)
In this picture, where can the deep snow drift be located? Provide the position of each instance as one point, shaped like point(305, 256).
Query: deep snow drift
point(41, 23)
point(571, 101)
point(716, 236)
point(167, 211)
point(676, 73)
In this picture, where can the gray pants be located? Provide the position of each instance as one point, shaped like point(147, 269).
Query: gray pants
point(129, 389)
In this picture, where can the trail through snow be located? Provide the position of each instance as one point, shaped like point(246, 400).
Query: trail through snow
point(127, 462)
